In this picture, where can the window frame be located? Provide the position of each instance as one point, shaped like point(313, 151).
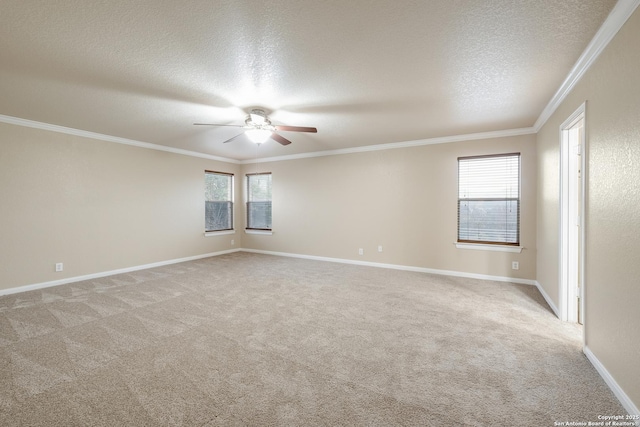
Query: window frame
point(467, 242)
point(257, 230)
point(231, 201)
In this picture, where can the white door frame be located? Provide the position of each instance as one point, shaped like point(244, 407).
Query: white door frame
point(571, 254)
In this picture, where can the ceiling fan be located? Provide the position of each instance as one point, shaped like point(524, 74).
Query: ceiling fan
point(258, 128)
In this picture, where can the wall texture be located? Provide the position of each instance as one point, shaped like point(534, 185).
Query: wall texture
point(612, 278)
point(403, 199)
point(97, 206)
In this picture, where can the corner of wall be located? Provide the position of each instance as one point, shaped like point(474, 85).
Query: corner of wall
point(625, 401)
point(548, 299)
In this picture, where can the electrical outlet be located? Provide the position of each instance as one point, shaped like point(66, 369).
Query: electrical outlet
point(233, 242)
point(360, 251)
point(379, 248)
point(515, 265)
point(59, 266)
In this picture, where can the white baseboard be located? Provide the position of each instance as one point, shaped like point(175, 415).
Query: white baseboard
point(548, 299)
point(625, 401)
point(399, 267)
point(52, 283)
point(43, 285)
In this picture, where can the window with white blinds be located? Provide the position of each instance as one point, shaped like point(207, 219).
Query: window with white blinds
point(259, 201)
point(218, 200)
point(489, 199)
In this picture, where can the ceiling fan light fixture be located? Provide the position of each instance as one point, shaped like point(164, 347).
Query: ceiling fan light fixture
point(258, 128)
point(258, 136)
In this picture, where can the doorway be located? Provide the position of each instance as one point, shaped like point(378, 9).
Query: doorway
point(572, 200)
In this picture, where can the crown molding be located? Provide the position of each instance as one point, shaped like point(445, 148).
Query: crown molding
point(393, 145)
point(616, 19)
point(109, 138)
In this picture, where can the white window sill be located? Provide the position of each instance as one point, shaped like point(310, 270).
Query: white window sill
point(495, 248)
point(263, 232)
point(218, 233)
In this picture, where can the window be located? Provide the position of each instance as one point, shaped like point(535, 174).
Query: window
point(218, 196)
point(489, 199)
point(259, 201)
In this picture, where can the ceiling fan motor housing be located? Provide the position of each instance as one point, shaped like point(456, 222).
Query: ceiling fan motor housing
point(258, 119)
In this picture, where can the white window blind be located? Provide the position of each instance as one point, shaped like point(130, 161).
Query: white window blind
point(218, 195)
point(489, 199)
point(259, 201)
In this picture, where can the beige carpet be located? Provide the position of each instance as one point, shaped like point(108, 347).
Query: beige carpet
point(247, 339)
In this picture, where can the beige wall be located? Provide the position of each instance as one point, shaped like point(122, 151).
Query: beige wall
point(403, 199)
point(96, 206)
point(611, 88)
point(99, 206)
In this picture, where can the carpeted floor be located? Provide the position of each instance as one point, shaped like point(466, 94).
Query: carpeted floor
point(248, 339)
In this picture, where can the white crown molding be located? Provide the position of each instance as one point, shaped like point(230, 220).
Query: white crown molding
point(109, 138)
point(616, 19)
point(52, 283)
point(393, 145)
point(625, 400)
point(398, 267)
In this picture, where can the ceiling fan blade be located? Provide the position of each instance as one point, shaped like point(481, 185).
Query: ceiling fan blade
point(279, 138)
point(215, 124)
point(232, 138)
point(296, 129)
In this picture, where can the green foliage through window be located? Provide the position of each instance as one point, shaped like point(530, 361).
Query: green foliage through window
point(489, 199)
point(259, 201)
point(218, 194)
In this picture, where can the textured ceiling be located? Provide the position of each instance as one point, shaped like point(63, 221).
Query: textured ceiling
point(362, 72)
